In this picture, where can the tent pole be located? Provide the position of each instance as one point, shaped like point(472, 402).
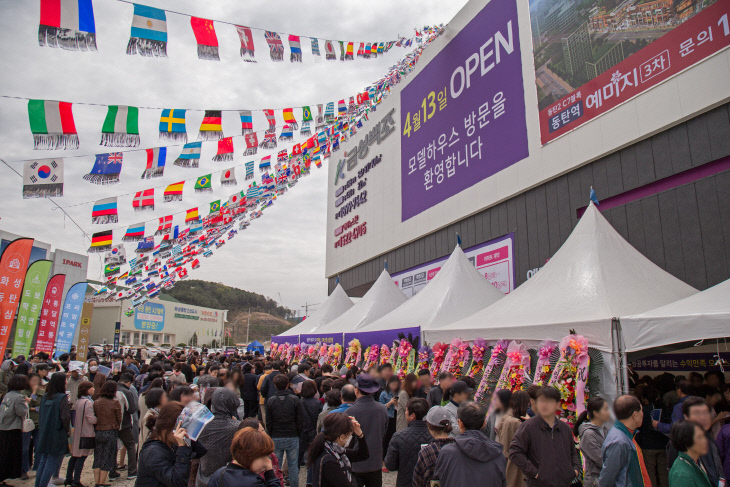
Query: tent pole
point(624, 359)
point(616, 356)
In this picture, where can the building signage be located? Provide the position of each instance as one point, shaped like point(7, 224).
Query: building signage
point(668, 362)
point(72, 263)
point(493, 259)
point(463, 116)
point(585, 68)
point(150, 317)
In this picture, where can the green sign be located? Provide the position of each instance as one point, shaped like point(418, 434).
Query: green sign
point(187, 317)
point(31, 303)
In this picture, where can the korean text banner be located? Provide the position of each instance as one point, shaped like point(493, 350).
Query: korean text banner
point(13, 264)
point(48, 323)
point(381, 337)
point(463, 115)
point(285, 339)
point(82, 349)
point(30, 305)
point(324, 338)
point(149, 317)
point(590, 60)
point(70, 316)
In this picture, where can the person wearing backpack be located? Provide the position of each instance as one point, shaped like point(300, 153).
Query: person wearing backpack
point(13, 410)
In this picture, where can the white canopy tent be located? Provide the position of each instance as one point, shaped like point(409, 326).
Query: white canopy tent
point(703, 315)
point(593, 278)
point(335, 305)
point(382, 298)
point(457, 291)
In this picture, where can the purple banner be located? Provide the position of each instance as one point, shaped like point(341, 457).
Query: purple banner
point(285, 339)
point(669, 362)
point(380, 337)
point(328, 338)
point(463, 116)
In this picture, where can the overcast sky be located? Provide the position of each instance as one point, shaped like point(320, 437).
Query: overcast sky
point(284, 251)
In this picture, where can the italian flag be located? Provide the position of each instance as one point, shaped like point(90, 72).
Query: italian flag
point(52, 124)
point(121, 128)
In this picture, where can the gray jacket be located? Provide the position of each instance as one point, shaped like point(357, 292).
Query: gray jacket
point(373, 418)
point(472, 459)
point(12, 411)
point(454, 409)
point(132, 405)
point(591, 441)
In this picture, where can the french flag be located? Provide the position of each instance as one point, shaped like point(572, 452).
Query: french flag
point(68, 24)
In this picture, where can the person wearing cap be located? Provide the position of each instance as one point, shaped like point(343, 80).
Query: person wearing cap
point(72, 384)
point(438, 421)
point(473, 459)
point(458, 393)
point(405, 444)
point(373, 417)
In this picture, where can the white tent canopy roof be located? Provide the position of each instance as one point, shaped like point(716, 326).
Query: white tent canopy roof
point(457, 291)
point(595, 276)
point(702, 315)
point(382, 298)
point(337, 303)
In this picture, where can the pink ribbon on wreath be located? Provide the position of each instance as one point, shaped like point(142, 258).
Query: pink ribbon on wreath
point(545, 350)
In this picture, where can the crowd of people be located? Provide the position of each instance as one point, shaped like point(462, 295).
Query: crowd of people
point(344, 427)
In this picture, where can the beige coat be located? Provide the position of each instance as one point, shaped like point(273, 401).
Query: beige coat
point(505, 432)
point(85, 421)
point(401, 422)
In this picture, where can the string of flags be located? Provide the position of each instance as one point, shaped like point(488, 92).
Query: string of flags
point(70, 25)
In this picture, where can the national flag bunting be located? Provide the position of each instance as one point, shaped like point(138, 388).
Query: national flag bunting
point(342, 50)
point(117, 255)
point(265, 163)
point(155, 162)
point(306, 130)
point(215, 206)
point(296, 49)
point(43, 178)
point(361, 50)
point(52, 124)
point(172, 125)
point(203, 184)
point(121, 127)
point(236, 200)
point(289, 119)
point(134, 233)
point(315, 50)
point(282, 156)
point(271, 118)
point(204, 31)
point(105, 211)
point(190, 155)
point(247, 48)
point(246, 121)
point(319, 124)
point(144, 200)
point(349, 54)
point(101, 242)
point(286, 133)
point(225, 150)
point(174, 192)
point(329, 113)
point(276, 47)
point(106, 169)
point(111, 269)
point(249, 170)
point(329, 51)
point(296, 150)
point(306, 115)
point(68, 24)
point(228, 177)
point(252, 143)
point(192, 216)
point(145, 245)
point(211, 128)
point(149, 32)
point(341, 108)
point(165, 225)
point(269, 141)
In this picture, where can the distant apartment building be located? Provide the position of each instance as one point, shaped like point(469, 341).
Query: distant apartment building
point(614, 56)
point(651, 12)
point(577, 50)
point(560, 18)
point(535, 28)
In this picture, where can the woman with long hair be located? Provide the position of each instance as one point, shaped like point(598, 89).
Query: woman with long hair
point(408, 390)
point(251, 451)
point(55, 424)
point(589, 428)
point(85, 421)
point(108, 413)
point(328, 457)
point(389, 397)
point(511, 421)
point(13, 410)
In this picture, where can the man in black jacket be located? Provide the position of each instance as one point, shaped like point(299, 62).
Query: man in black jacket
point(283, 422)
point(404, 446)
point(373, 417)
point(126, 434)
point(249, 392)
point(267, 386)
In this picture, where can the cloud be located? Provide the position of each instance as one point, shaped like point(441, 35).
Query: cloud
point(284, 251)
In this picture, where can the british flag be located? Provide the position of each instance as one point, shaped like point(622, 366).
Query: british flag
point(276, 47)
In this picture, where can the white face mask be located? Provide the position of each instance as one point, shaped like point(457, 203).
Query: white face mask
point(93, 368)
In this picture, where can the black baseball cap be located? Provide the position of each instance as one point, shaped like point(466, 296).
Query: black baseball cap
point(460, 386)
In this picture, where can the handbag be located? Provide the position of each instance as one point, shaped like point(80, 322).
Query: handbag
point(85, 442)
point(28, 424)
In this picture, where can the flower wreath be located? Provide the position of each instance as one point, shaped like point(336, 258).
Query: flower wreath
point(494, 366)
point(371, 355)
point(439, 352)
point(323, 351)
point(354, 353)
point(424, 356)
point(570, 375)
point(478, 350)
point(404, 349)
point(274, 350)
point(543, 370)
point(384, 354)
point(336, 355)
point(459, 356)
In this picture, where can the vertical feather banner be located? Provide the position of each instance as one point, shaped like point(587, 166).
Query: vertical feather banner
point(247, 47)
point(206, 38)
point(276, 47)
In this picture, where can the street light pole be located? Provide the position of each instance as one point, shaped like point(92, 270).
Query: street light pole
point(248, 326)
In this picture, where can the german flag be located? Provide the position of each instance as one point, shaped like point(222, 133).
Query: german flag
point(211, 128)
point(101, 242)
